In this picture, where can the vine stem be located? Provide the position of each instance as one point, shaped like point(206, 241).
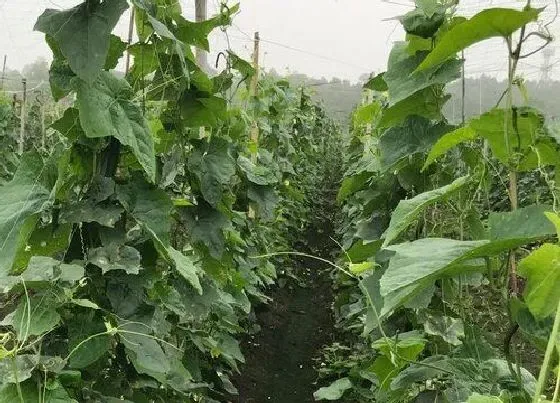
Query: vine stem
point(552, 341)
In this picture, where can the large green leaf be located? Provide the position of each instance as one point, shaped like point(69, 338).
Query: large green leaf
point(422, 261)
point(85, 350)
point(106, 109)
point(526, 224)
point(415, 135)
point(149, 206)
point(426, 103)
point(36, 318)
point(21, 198)
point(265, 199)
point(448, 141)
point(542, 271)
point(186, 267)
point(213, 166)
point(493, 22)
point(408, 210)
point(334, 391)
point(257, 174)
point(402, 79)
point(206, 225)
point(83, 33)
point(351, 184)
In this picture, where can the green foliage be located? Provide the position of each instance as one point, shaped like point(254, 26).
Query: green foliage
point(127, 260)
point(427, 232)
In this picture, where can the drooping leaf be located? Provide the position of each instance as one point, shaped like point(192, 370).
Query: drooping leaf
point(417, 22)
point(106, 110)
point(116, 257)
point(448, 141)
point(83, 34)
point(448, 328)
point(84, 349)
point(21, 198)
point(377, 83)
point(149, 206)
point(415, 135)
point(257, 174)
point(35, 319)
point(408, 210)
point(493, 22)
point(426, 103)
point(88, 211)
point(186, 267)
point(206, 111)
point(206, 225)
point(423, 260)
point(116, 50)
point(334, 391)
point(214, 167)
point(526, 224)
point(542, 271)
point(266, 200)
point(18, 368)
point(403, 80)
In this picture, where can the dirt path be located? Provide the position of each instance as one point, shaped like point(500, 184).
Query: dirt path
point(295, 326)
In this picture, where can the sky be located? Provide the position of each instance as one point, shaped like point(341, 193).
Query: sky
point(321, 38)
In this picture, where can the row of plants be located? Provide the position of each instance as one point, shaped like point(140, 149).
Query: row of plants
point(449, 285)
point(130, 254)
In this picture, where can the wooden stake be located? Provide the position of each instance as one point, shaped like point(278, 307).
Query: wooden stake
point(22, 117)
point(253, 92)
point(130, 33)
point(201, 15)
point(3, 72)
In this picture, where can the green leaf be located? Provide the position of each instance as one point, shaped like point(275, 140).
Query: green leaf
point(214, 167)
point(116, 257)
point(53, 393)
point(448, 328)
point(186, 267)
point(44, 317)
point(106, 110)
point(207, 111)
point(116, 51)
point(21, 198)
point(360, 268)
point(423, 260)
point(402, 79)
point(17, 369)
point(476, 398)
point(526, 224)
point(206, 225)
point(244, 67)
point(266, 200)
point(146, 353)
point(493, 22)
point(257, 174)
point(334, 391)
point(367, 114)
point(408, 210)
point(86, 341)
point(377, 83)
point(554, 219)
point(415, 135)
point(83, 34)
point(426, 103)
point(45, 241)
point(149, 206)
point(542, 271)
point(87, 211)
point(351, 184)
point(448, 141)
point(417, 22)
